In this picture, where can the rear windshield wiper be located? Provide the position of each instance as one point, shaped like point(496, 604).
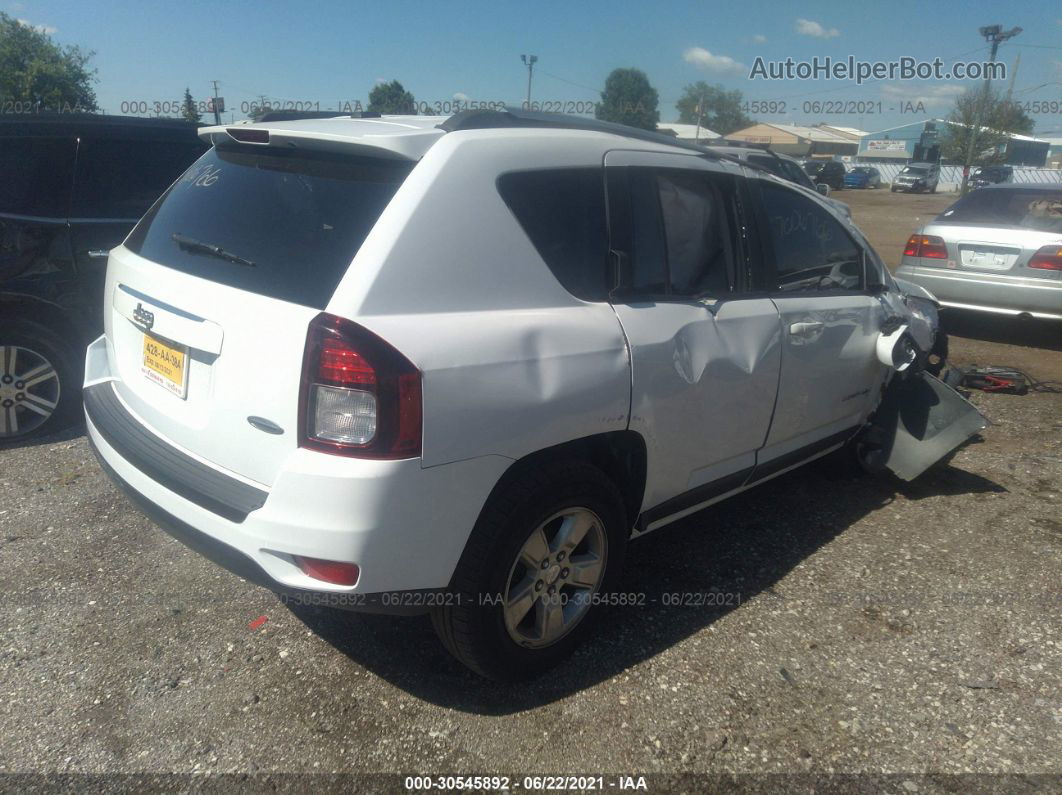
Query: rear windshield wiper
point(199, 247)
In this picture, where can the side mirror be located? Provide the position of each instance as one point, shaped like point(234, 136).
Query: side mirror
point(823, 188)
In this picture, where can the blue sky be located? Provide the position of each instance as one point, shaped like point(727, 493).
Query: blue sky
point(332, 52)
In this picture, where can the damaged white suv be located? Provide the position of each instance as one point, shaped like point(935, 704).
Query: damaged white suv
point(411, 364)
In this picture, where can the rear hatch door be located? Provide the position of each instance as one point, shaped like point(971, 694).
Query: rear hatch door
point(210, 297)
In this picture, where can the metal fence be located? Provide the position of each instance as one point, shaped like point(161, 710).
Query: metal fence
point(951, 176)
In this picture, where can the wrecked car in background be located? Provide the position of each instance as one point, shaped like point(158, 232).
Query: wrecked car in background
point(512, 342)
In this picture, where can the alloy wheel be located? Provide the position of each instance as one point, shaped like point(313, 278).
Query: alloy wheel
point(556, 574)
point(29, 390)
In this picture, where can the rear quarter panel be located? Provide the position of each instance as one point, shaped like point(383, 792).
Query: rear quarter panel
point(511, 362)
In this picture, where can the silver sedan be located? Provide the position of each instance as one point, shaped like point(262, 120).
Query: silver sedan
point(998, 249)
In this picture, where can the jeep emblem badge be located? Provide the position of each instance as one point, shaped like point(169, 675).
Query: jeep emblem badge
point(143, 317)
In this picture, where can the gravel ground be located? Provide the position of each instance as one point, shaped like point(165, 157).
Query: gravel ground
point(852, 625)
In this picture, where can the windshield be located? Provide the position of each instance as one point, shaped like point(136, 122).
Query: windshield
point(279, 223)
point(914, 170)
point(860, 170)
point(813, 168)
point(1026, 209)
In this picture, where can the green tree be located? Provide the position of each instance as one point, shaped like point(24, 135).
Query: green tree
point(189, 111)
point(36, 70)
point(629, 99)
point(391, 98)
point(721, 110)
point(982, 120)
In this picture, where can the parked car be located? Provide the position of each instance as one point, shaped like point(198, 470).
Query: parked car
point(863, 177)
point(73, 186)
point(454, 365)
point(917, 178)
point(782, 166)
point(826, 172)
point(998, 249)
point(991, 175)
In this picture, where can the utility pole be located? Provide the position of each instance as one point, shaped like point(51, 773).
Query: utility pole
point(1013, 77)
point(529, 62)
point(217, 113)
point(700, 113)
point(994, 35)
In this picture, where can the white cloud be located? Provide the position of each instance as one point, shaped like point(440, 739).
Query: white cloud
point(939, 95)
point(46, 29)
point(759, 38)
point(698, 56)
point(808, 27)
point(460, 96)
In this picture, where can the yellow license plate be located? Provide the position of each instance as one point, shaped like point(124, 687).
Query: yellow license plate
point(165, 364)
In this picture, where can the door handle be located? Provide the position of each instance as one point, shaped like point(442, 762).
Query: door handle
point(805, 329)
point(98, 253)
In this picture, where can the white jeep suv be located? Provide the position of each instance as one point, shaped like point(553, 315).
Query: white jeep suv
point(408, 363)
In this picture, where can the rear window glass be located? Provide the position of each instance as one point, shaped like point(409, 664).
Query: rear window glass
point(563, 213)
point(288, 223)
point(1027, 209)
point(35, 176)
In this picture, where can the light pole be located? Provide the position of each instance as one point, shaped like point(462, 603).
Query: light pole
point(994, 35)
point(529, 62)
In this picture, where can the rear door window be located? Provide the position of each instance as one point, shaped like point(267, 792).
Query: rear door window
point(288, 223)
point(36, 175)
point(682, 239)
point(120, 179)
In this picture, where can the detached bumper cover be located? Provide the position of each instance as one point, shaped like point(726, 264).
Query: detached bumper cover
point(920, 421)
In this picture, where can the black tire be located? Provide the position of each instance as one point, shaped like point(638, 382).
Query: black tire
point(472, 625)
point(892, 190)
point(36, 340)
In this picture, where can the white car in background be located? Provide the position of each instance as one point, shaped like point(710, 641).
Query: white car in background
point(409, 364)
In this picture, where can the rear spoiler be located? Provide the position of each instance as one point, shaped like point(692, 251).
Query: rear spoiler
point(409, 144)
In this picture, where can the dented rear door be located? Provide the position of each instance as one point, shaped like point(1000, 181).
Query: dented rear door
point(705, 352)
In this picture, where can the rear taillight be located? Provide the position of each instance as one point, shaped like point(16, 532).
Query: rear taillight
point(360, 397)
point(926, 246)
point(1049, 258)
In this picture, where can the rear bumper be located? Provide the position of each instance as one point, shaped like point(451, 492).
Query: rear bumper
point(988, 292)
point(404, 525)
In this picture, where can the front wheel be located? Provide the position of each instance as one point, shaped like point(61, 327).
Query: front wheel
point(548, 545)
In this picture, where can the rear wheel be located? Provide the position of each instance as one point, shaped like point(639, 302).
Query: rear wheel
point(548, 544)
point(39, 392)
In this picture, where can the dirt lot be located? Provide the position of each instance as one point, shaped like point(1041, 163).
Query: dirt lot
point(860, 626)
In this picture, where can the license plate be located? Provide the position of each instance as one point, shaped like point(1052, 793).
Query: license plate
point(987, 258)
point(165, 364)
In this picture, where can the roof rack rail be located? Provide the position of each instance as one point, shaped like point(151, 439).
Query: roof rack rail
point(297, 115)
point(745, 145)
point(517, 117)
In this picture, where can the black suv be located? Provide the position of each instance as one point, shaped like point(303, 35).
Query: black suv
point(72, 187)
point(991, 175)
point(826, 172)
